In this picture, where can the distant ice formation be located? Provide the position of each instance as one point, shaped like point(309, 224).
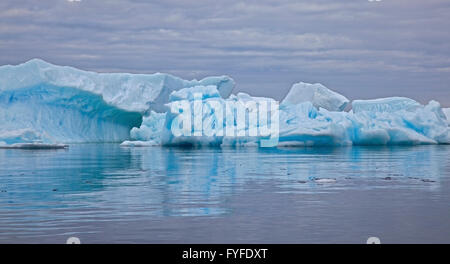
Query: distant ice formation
point(43, 105)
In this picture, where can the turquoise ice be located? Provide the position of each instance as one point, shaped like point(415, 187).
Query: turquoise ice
point(41, 103)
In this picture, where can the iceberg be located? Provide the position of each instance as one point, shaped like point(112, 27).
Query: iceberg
point(387, 121)
point(64, 104)
point(319, 95)
point(48, 106)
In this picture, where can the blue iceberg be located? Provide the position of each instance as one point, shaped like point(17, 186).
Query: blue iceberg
point(64, 104)
point(386, 121)
point(43, 104)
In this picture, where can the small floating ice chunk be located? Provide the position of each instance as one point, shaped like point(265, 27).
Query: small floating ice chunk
point(139, 143)
point(428, 180)
point(33, 146)
point(322, 180)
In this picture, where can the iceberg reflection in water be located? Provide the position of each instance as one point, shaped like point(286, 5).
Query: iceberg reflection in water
point(108, 193)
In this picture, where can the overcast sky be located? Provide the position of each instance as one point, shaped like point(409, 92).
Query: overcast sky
point(360, 48)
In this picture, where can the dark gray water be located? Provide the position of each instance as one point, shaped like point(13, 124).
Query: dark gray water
point(107, 193)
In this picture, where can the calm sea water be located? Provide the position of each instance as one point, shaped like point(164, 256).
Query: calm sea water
point(107, 193)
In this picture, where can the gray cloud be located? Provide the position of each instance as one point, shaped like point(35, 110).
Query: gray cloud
point(362, 49)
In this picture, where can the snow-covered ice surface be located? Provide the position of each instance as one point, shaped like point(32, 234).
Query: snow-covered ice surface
point(388, 105)
point(44, 104)
point(319, 95)
point(130, 92)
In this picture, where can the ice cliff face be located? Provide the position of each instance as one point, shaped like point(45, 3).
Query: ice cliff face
point(64, 104)
point(62, 114)
point(44, 103)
